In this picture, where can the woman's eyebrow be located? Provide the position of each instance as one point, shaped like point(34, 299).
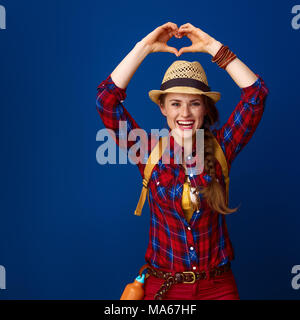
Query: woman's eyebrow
point(180, 100)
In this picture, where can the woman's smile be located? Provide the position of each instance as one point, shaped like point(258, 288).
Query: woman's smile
point(185, 124)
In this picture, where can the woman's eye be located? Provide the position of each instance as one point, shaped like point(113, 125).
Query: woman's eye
point(176, 104)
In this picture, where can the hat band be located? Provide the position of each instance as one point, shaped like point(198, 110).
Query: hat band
point(185, 82)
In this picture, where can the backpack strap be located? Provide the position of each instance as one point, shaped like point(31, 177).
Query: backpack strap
point(153, 159)
point(219, 154)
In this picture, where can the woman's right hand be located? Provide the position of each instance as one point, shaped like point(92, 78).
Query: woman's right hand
point(156, 41)
point(158, 38)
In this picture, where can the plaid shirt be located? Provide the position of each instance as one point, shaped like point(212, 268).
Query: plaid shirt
point(175, 244)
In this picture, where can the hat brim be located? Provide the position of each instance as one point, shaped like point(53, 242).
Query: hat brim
point(154, 94)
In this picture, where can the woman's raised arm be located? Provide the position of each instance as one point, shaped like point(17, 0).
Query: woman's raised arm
point(156, 41)
point(245, 117)
point(238, 71)
point(202, 42)
point(111, 92)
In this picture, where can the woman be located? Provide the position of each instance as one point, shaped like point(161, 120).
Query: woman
point(189, 250)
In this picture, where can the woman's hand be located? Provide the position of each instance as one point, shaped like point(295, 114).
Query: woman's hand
point(156, 41)
point(201, 41)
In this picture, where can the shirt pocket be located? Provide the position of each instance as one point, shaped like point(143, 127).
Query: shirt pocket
point(161, 183)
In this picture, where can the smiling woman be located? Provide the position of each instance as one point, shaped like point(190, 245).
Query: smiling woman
point(189, 250)
point(191, 112)
point(183, 110)
point(187, 102)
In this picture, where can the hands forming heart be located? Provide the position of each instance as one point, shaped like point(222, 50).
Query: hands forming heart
point(157, 39)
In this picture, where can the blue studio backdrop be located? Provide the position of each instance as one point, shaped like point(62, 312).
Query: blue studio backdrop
point(66, 220)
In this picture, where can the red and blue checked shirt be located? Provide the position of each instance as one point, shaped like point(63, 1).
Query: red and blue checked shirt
point(174, 244)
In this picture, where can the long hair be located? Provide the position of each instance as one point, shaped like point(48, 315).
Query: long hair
point(214, 192)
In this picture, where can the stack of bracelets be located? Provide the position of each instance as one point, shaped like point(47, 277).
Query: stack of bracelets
point(223, 57)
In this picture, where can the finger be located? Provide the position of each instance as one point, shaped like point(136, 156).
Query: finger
point(188, 25)
point(173, 50)
point(185, 49)
point(185, 34)
point(170, 49)
point(192, 29)
point(172, 33)
point(176, 34)
point(182, 33)
point(185, 29)
point(170, 25)
point(168, 31)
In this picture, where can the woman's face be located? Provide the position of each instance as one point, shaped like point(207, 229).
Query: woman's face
point(184, 112)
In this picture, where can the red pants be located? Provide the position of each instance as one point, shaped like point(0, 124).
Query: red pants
point(222, 287)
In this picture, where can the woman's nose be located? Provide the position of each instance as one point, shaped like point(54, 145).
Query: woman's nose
point(185, 111)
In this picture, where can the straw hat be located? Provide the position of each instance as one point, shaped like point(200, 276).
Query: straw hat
point(184, 77)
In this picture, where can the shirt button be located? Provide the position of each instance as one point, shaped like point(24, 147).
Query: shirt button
point(191, 175)
point(194, 268)
point(189, 228)
point(157, 183)
point(189, 157)
point(191, 248)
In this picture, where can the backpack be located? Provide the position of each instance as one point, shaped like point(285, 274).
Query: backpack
point(153, 159)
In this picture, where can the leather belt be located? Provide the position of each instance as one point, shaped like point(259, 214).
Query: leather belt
point(183, 277)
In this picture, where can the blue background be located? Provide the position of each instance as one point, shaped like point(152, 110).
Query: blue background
point(67, 229)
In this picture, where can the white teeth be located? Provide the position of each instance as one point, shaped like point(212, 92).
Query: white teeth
point(185, 122)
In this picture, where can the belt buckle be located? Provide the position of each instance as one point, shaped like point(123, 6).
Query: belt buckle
point(193, 274)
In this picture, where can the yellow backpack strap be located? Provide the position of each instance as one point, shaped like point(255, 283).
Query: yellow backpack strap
point(153, 159)
point(219, 154)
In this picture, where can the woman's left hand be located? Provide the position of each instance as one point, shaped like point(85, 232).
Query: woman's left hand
point(201, 41)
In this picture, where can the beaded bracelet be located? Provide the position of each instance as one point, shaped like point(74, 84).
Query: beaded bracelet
point(223, 57)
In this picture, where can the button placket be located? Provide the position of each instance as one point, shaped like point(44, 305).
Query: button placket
point(191, 246)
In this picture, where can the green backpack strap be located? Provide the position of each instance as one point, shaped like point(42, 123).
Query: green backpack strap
point(156, 154)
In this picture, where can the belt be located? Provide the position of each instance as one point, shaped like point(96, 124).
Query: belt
point(183, 277)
